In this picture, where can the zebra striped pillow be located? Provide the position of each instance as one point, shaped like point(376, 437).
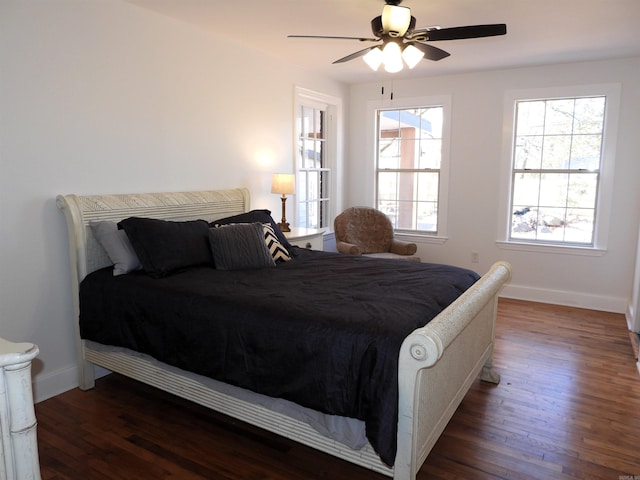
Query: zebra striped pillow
point(277, 250)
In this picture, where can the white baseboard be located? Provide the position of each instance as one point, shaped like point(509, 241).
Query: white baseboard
point(632, 321)
point(566, 298)
point(47, 385)
point(51, 384)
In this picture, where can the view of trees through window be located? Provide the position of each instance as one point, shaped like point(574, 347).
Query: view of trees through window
point(556, 169)
point(409, 156)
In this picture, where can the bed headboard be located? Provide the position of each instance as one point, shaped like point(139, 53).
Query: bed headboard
point(87, 255)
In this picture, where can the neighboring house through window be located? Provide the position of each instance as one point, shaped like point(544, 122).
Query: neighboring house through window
point(561, 164)
point(412, 148)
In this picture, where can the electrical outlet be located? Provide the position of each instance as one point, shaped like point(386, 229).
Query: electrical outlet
point(475, 257)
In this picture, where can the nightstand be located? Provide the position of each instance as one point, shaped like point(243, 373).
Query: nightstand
point(306, 237)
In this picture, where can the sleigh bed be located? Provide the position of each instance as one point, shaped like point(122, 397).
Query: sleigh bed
point(390, 387)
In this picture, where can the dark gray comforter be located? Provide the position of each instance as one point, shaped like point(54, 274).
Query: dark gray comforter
point(323, 330)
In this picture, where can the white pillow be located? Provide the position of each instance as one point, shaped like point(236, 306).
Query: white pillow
point(117, 245)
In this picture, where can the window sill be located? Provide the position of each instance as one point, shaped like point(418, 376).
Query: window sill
point(414, 237)
point(554, 249)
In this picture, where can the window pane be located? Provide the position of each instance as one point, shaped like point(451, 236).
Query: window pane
point(313, 178)
point(585, 152)
point(582, 190)
point(306, 153)
point(528, 152)
point(580, 225)
point(389, 122)
point(589, 115)
point(316, 127)
point(530, 118)
point(556, 151)
point(432, 119)
point(306, 119)
point(302, 213)
point(430, 153)
point(526, 189)
point(313, 217)
point(389, 152)
point(553, 189)
point(559, 117)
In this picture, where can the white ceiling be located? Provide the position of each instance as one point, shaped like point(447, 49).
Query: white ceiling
point(538, 31)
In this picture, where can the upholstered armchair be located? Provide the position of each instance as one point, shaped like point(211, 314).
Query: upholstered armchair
point(367, 231)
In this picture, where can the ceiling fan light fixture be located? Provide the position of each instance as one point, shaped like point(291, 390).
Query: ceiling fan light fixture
point(392, 57)
point(412, 55)
point(373, 58)
point(395, 20)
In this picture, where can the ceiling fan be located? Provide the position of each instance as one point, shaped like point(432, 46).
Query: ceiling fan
point(401, 41)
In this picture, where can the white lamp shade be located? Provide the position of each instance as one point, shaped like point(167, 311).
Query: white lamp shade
point(392, 57)
point(412, 55)
point(395, 20)
point(374, 58)
point(283, 183)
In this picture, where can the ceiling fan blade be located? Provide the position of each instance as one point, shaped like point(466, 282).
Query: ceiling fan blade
point(430, 52)
point(459, 33)
point(357, 54)
point(361, 39)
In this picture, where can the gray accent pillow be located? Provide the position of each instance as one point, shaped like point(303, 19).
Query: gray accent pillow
point(117, 245)
point(240, 246)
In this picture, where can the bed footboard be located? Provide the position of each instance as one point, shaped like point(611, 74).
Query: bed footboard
point(438, 364)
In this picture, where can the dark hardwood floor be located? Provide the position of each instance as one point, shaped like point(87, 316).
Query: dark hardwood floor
point(568, 407)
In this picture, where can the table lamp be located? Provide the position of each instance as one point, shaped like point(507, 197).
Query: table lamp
point(283, 184)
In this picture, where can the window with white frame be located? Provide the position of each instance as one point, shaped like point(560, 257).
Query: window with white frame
point(411, 161)
point(315, 158)
point(561, 164)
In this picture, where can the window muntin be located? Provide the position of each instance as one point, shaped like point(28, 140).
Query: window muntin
point(557, 153)
point(409, 156)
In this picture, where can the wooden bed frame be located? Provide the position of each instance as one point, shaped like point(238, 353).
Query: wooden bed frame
point(437, 364)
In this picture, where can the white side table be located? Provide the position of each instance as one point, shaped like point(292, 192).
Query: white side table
point(306, 237)
point(19, 453)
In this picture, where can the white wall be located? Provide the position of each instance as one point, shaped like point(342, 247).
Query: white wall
point(106, 97)
point(603, 282)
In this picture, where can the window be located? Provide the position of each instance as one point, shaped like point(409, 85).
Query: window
point(411, 150)
point(315, 158)
point(560, 170)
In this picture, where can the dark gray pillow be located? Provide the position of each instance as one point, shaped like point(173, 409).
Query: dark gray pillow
point(117, 245)
point(240, 246)
point(262, 216)
point(164, 246)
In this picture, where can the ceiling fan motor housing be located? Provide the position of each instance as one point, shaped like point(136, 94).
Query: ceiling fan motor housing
point(395, 20)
